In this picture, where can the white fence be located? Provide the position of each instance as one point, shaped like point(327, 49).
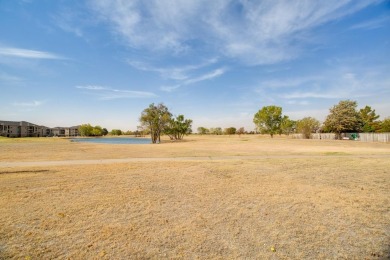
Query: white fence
point(374, 137)
point(316, 136)
point(364, 137)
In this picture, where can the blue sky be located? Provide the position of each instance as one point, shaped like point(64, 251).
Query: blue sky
point(64, 63)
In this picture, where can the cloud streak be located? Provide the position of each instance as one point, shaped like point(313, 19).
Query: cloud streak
point(372, 24)
point(175, 73)
point(28, 104)
point(27, 54)
point(208, 76)
point(106, 93)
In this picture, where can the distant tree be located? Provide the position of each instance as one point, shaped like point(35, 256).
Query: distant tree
point(177, 128)
point(230, 131)
point(104, 131)
point(88, 130)
point(141, 131)
point(287, 126)
point(343, 117)
point(202, 130)
point(307, 126)
point(85, 130)
point(155, 119)
point(116, 132)
point(97, 131)
point(268, 120)
point(385, 125)
point(216, 131)
point(369, 120)
point(240, 131)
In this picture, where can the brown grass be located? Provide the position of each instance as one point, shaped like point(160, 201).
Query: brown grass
point(303, 208)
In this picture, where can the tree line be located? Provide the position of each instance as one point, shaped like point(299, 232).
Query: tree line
point(342, 118)
point(89, 130)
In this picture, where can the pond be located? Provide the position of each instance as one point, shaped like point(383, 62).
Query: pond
point(102, 140)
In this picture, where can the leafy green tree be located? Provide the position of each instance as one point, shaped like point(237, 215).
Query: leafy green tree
point(203, 131)
point(287, 126)
point(177, 128)
point(268, 120)
point(88, 130)
point(343, 117)
point(85, 130)
point(116, 132)
point(230, 131)
point(155, 119)
point(307, 126)
point(104, 131)
point(369, 120)
point(97, 131)
point(385, 125)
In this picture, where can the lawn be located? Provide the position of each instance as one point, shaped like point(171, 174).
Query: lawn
point(300, 199)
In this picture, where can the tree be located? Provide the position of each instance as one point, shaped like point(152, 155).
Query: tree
point(287, 126)
point(343, 117)
point(268, 120)
point(230, 131)
point(216, 131)
point(202, 130)
point(385, 125)
point(116, 132)
point(240, 131)
point(369, 120)
point(307, 126)
point(97, 131)
point(128, 132)
point(104, 131)
point(141, 131)
point(177, 128)
point(85, 130)
point(155, 119)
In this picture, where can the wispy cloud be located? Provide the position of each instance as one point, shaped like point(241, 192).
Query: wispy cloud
point(208, 76)
point(27, 54)
point(342, 82)
point(28, 104)
point(107, 93)
point(9, 78)
point(373, 24)
point(211, 75)
point(289, 82)
point(295, 102)
point(254, 32)
point(175, 73)
point(304, 94)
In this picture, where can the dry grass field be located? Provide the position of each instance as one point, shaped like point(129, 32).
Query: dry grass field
point(248, 197)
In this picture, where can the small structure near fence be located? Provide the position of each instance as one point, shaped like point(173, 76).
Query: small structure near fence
point(363, 137)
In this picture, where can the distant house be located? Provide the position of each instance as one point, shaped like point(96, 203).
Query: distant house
point(26, 129)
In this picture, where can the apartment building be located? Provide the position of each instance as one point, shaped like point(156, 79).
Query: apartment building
point(26, 129)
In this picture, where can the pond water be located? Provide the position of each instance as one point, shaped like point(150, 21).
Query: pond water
point(102, 140)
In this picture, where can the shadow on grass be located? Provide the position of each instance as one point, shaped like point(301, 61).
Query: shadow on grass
point(25, 171)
